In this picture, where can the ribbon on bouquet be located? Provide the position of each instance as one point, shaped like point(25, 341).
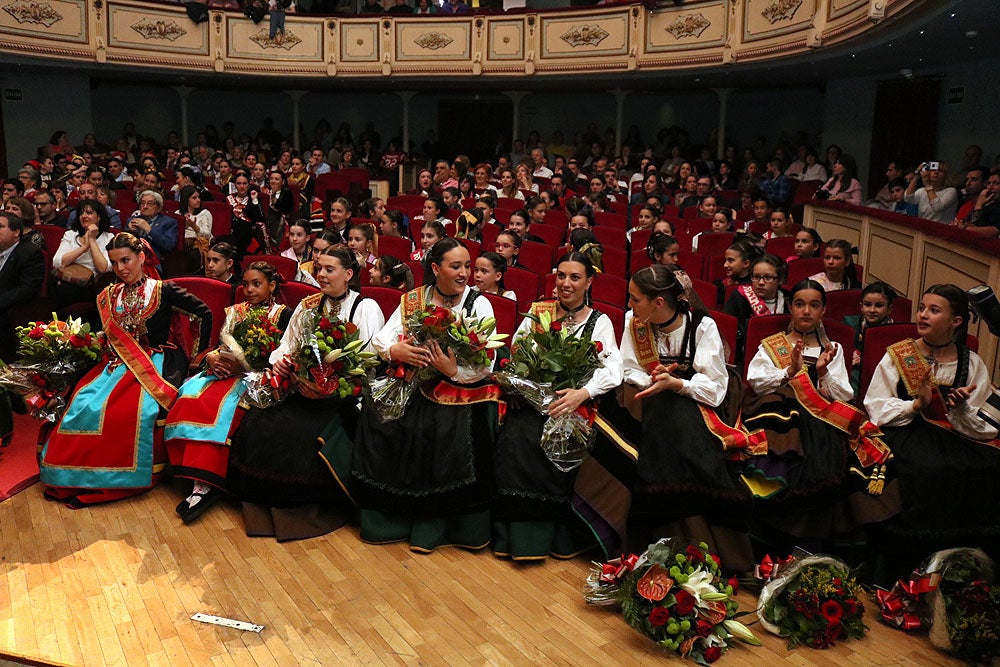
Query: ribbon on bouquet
point(901, 606)
point(769, 568)
point(613, 571)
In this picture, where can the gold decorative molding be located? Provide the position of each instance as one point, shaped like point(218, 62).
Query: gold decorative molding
point(158, 29)
point(286, 40)
point(782, 10)
point(691, 25)
point(588, 35)
point(433, 41)
point(41, 13)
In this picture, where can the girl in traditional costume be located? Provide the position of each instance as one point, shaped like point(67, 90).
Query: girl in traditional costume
point(108, 444)
point(532, 516)
point(926, 394)
point(200, 423)
point(876, 310)
point(761, 296)
point(427, 477)
point(278, 469)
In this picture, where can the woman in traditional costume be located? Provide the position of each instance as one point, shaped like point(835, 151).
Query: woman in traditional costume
point(926, 394)
point(108, 444)
point(200, 423)
point(821, 450)
point(277, 467)
point(427, 477)
point(532, 515)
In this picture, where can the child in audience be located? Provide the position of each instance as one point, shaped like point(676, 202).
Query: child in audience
point(430, 233)
point(839, 271)
point(876, 310)
point(762, 296)
point(490, 267)
point(389, 271)
point(720, 223)
point(363, 243)
point(508, 246)
point(738, 258)
point(807, 244)
point(300, 249)
point(663, 249)
point(897, 195)
point(761, 221)
point(781, 225)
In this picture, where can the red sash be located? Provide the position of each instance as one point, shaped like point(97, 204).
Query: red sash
point(756, 305)
point(130, 351)
point(864, 436)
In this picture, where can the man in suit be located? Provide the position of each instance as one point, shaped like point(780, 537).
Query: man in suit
point(22, 270)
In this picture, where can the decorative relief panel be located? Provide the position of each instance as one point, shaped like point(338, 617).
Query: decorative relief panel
point(505, 40)
point(63, 20)
point(41, 13)
point(433, 40)
point(154, 30)
point(684, 29)
point(159, 29)
point(567, 37)
point(302, 41)
point(359, 42)
point(840, 7)
point(763, 19)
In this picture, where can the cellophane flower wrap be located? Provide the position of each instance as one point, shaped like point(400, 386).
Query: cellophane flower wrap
point(472, 340)
point(258, 336)
point(954, 597)
point(52, 356)
point(675, 594)
point(814, 601)
point(332, 361)
point(543, 362)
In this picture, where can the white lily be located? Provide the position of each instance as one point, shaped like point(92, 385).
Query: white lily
point(332, 355)
point(353, 345)
point(699, 584)
point(545, 320)
point(741, 632)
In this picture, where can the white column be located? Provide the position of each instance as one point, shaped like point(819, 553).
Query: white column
point(619, 118)
point(516, 96)
point(723, 93)
point(183, 92)
point(296, 96)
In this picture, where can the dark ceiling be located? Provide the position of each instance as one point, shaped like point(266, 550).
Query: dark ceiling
point(925, 41)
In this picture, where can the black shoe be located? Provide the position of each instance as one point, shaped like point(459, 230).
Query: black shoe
point(200, 502)
point(182, 507)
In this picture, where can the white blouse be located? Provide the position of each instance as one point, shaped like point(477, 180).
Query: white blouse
point(203, 221)
point(368, 317)
point(393, 332)
point(764, 377)
point(886, 409)
point(71, 241)
point(710, 381)
point(228, 344)
point(605, 378)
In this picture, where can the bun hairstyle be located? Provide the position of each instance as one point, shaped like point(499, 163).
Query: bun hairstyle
point(436, 256)
point(343, 254)
point(658, 244)
point(580, 257)
point(126, 240)
point(269, 272)
point(658, 280)
point(883, 288)
point(228, 251)
point(399, 273)
point(958, 301)
point(585, 242)
point(779, 265)
point(850, 271)
point(748, 251)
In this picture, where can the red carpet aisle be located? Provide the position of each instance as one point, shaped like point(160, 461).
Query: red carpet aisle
point(19, 461)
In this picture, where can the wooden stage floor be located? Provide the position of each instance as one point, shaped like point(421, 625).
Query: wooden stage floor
point(118, 585)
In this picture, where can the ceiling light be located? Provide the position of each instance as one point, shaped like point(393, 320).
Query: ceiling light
point(972, 34)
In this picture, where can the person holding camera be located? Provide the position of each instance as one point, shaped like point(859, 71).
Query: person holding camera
point(842, 186)
point(928, 189)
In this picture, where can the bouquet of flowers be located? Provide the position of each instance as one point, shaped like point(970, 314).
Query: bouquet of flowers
point(674, 594)
point(331, 362)
point(258, 336)
point(953, 595)
point(472, 341)
point(52, 356)
point(813, 601)
point(544, 362)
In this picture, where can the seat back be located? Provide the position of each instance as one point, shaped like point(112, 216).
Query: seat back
point(783, 246)
point(396, 246)
point(293, 292)
point(535, 257)
point(387, 298)
point(759, 328)
point(640, 260)
point(610, 237)
point(692, 263)
point(217, 295)
point(841, 303)
point(707, 291)
point(551, 234)
point(524, 284)
point(285, 266)
point(417, 269)
point(727, 325)
point(800, 269)
point(714, 243)
point(617, 316)
point(615, 262)
point(53, 236)
point(505, 312)
point(877, 340)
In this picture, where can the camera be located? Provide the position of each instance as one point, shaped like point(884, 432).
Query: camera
point(932, 166)
point(985, 306)
point(821, 194)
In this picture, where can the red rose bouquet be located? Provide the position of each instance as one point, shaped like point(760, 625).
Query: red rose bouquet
point(52, 356)
point(674, 593)
point(542, 362)
point(953, 596)
point(331, 361)
point(472, 341)
point(814, 601)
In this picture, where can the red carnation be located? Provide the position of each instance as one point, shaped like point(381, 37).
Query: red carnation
point(831, 610)
point(712, 653)
point(36, 333)
point(659, 616)
point(324, 323)
point(431, 321)
point(599, 346)
point(718, 561)
point(735, 583)
point(684, 603)
point(695, 554)
point(357, 390)
point(337, 334)
point(556, 326)
point(504, 362)
point(703, 628)
point(79, 341)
